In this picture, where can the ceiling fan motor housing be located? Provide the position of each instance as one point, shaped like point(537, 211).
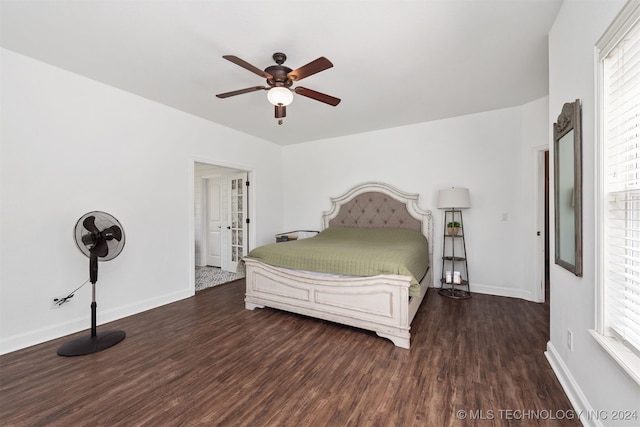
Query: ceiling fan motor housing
point(279, 74)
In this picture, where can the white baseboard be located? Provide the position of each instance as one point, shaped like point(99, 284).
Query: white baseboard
point(497, 291)
point(502, 292)
point(578, 400)
point(51, 332)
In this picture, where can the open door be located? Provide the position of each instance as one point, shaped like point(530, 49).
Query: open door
point(237, 225)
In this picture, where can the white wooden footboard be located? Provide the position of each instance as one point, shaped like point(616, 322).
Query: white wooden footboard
point(379, 303)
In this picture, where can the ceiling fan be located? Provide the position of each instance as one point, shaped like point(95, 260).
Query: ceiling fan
point(279, 80)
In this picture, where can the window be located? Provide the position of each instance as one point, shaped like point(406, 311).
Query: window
point(618, 198)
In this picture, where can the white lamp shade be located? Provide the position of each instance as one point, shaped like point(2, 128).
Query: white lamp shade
point(454, 198)
point(280, 96)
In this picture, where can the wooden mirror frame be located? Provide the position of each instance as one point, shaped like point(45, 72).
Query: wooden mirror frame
point(567, 165)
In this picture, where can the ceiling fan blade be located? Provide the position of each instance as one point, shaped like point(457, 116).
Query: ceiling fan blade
point(318, 96)
point(90, 224)
point(101, 248)
point(241, 91)
point(311, 68)
point(244, 64)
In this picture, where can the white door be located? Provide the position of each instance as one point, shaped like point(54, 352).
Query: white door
point(213, 222)
point(237, 218)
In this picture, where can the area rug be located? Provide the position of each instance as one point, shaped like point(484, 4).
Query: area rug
point(207, 277)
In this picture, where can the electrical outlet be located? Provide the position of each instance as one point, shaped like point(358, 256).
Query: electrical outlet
point(570, 339)
point(57, 302)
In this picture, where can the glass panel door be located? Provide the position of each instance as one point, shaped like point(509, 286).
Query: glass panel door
point(237, 216)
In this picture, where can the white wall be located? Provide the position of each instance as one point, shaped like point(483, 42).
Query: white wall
point(486, 152)
point(71, 145)
point(589, 376)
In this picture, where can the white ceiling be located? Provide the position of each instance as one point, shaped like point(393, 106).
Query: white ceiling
point(395, 62)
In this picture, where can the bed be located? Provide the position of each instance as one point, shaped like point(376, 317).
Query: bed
point(384, 301)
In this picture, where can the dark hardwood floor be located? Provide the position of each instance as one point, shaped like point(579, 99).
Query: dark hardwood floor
point(208, 361)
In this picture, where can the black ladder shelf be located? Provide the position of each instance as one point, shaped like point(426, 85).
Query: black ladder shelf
point(454, 258)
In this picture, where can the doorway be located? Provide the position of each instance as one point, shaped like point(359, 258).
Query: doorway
point(547, 262)
point(542, 171)
point(220, 223)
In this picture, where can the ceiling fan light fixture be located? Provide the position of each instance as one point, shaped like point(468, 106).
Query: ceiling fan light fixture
point(280, 96)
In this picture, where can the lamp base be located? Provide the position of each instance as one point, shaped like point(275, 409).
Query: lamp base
point(91, 344)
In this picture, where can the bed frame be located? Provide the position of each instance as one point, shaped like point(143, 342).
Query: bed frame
point(378, 303)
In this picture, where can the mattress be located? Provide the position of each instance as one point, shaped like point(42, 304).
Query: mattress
point(354, 252)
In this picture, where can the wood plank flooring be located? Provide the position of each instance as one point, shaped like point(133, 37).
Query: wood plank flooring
point(206, 361)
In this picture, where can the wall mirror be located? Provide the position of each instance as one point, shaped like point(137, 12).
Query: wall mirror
point(567, 165)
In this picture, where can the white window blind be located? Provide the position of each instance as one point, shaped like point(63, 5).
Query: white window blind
point(621, 162)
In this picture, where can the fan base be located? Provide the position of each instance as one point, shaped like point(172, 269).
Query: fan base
point(91, 344)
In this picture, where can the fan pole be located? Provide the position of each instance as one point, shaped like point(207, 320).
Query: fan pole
point(97, 341)
point(93, 277)
point(93, 311)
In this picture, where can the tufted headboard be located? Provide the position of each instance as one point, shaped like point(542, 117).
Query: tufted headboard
point(374, 209)
point(375, 204)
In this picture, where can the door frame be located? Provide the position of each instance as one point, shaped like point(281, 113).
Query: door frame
point(542, 249)
point(191, 223)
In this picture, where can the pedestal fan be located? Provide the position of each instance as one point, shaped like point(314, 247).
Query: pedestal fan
point(100, 237)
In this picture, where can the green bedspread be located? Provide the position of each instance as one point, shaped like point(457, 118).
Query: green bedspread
point(355, 252)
